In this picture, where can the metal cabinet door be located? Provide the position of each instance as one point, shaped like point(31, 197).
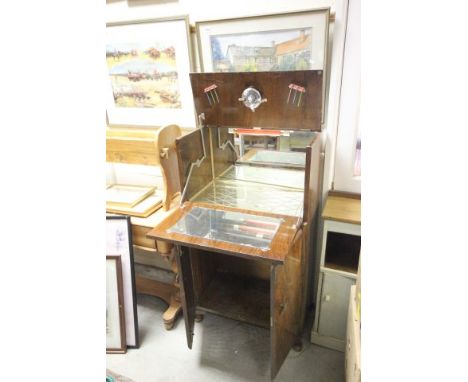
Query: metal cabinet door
point(334, 305)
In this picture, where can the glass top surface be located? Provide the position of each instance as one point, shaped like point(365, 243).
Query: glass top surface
point(228, 226)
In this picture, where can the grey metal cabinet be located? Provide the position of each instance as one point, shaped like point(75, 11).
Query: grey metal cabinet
point(334, 305)
point(338, 269)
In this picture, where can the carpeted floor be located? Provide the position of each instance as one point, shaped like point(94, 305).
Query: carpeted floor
point(223, 351)
point(114, 377)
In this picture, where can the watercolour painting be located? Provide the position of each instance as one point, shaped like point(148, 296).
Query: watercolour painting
point(143, 75)
point(147, 68)
point(262, 51)
point(275, 42)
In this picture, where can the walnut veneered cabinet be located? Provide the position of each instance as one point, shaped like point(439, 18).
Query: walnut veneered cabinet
point(243, 230)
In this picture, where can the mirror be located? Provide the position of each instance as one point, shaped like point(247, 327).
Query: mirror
point(272, 147)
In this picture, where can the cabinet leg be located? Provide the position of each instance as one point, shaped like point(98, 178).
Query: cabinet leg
point(170, 315)
point(199, 317)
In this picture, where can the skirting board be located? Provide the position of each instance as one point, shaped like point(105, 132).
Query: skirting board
point(328, 342)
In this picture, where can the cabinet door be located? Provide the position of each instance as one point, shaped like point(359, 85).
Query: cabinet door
point(186, 291)
point(334, 305)
point(286, 304)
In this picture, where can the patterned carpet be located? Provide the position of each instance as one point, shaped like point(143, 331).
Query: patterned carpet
point(114, 377)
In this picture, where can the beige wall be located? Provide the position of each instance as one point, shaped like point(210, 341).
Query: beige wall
point(127, 10)
point(119, 10)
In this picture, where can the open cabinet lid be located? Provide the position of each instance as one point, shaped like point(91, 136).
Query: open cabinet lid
point(289, 100)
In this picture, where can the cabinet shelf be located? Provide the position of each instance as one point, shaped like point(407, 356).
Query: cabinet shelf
point(342, 252)
point(237, 297)
point(340, 267)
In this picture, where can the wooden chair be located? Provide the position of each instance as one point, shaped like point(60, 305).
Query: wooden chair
point(155, 266)
point(154, 148)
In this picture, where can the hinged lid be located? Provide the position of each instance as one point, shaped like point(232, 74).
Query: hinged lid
point(289, 100)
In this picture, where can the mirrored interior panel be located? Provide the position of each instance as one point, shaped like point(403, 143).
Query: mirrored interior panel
point(251, 169)
point(232, 227)
point(274, 147)
point(254, 196)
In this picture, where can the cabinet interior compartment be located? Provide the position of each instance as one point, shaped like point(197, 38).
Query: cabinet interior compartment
point(342, 251)
point(232, 287)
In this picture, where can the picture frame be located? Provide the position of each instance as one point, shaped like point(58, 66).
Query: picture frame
point(272, 42)
point(148, 64)
point(126, 195)
point(115, 315)
point(119, 242)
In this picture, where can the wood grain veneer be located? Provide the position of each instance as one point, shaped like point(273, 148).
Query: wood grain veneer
point(190, 150)
point(287, 295)
point(274, 86)
point(279, 247)
point(312, 191)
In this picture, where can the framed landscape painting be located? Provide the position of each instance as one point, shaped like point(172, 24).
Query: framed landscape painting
point(148, 64)
point(119, 242)
point(291, 41)
point(115, 316)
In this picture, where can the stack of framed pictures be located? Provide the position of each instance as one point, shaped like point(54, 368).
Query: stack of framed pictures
point(149, 61)
point(275, 42)
point(122, 323)
point(140, 201)
point(115, 316)
point(127, 195)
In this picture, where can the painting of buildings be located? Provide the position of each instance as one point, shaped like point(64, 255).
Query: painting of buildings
point(262, 51)
point(143, 76)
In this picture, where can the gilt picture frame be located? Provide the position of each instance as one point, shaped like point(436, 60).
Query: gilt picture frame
point(119, 242)
point(115, 315)
point(148, 64)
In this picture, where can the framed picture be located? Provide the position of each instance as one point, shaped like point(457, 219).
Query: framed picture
point(288, 41)
point(148, 66)
point(127, 195)
point(115, 316)
point(119, 242)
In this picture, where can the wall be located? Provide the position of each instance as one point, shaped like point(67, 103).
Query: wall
point(349, 105)
point(118, 10)
point(123, 10)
